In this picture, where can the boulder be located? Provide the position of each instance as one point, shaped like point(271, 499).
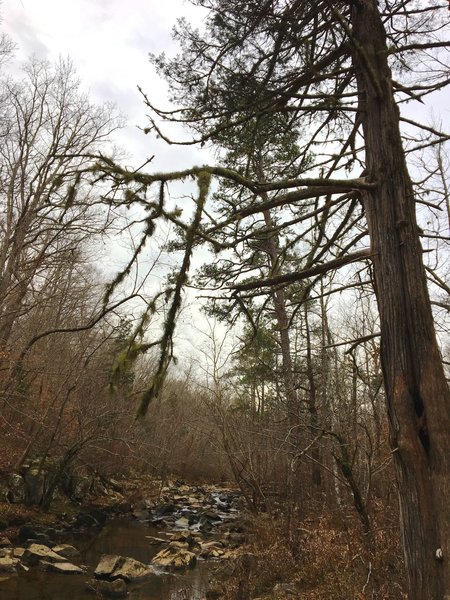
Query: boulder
point(108, 589)
point(174, 558)
point(64, 568)
point(129, 569)
point(37, 552)
point(132, 570)
point(108, 563)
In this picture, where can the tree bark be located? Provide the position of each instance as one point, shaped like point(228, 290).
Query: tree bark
point(418, 398)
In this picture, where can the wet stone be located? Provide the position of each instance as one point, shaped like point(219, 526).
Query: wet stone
point(132, 570)
point(64, 568)
point(174, 558)
point(8, 565)
point(107, 564)
point(37, 552)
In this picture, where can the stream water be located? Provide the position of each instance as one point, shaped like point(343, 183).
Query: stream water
point(123, 537)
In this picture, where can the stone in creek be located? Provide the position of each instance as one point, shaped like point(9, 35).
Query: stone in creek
point(65, 568)
point(107, 564)
point(113, 567)
point(141, 514)
point(182, 523)
point(36, 552)
point(66, 551)
point(109, 589)
point(174, 558)
point(8, 565)
point(132, 570)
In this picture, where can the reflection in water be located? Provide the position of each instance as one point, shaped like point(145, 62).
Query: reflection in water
point(119, 537)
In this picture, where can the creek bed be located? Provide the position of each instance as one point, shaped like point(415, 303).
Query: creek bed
point(123, 537)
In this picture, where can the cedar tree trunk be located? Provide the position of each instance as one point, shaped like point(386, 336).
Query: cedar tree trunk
point(418, 397)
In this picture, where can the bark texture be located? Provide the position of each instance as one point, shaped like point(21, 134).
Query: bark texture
point(417, 393)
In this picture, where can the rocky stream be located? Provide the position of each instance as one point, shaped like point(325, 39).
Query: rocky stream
point(165, 549)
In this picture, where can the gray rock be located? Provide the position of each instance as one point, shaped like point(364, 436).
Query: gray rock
point(37, 552)
point(65, 568)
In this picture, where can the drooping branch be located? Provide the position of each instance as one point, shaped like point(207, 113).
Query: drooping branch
point(166, 352)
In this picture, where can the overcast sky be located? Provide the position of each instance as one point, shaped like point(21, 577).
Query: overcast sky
point(109, 42)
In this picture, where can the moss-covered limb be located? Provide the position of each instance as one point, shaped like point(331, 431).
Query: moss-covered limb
point(150, 228)
point(166, 352)
point(125, 176)
point(134, 348)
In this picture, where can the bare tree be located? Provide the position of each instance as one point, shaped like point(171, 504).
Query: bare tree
point(49, 129)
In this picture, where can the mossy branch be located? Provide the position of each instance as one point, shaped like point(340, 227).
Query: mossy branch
point(166, 352)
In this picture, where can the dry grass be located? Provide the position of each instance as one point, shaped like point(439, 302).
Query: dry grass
point(320, 560)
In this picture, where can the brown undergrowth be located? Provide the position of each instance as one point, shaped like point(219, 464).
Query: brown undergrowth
point(319, 558)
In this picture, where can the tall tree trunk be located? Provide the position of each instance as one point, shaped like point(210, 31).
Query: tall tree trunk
point(418, 397)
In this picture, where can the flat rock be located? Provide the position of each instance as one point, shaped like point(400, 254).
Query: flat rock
point(174, 558)
point(65, 568)
point(182, 523)
point(66, 551)
point(37, 552)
